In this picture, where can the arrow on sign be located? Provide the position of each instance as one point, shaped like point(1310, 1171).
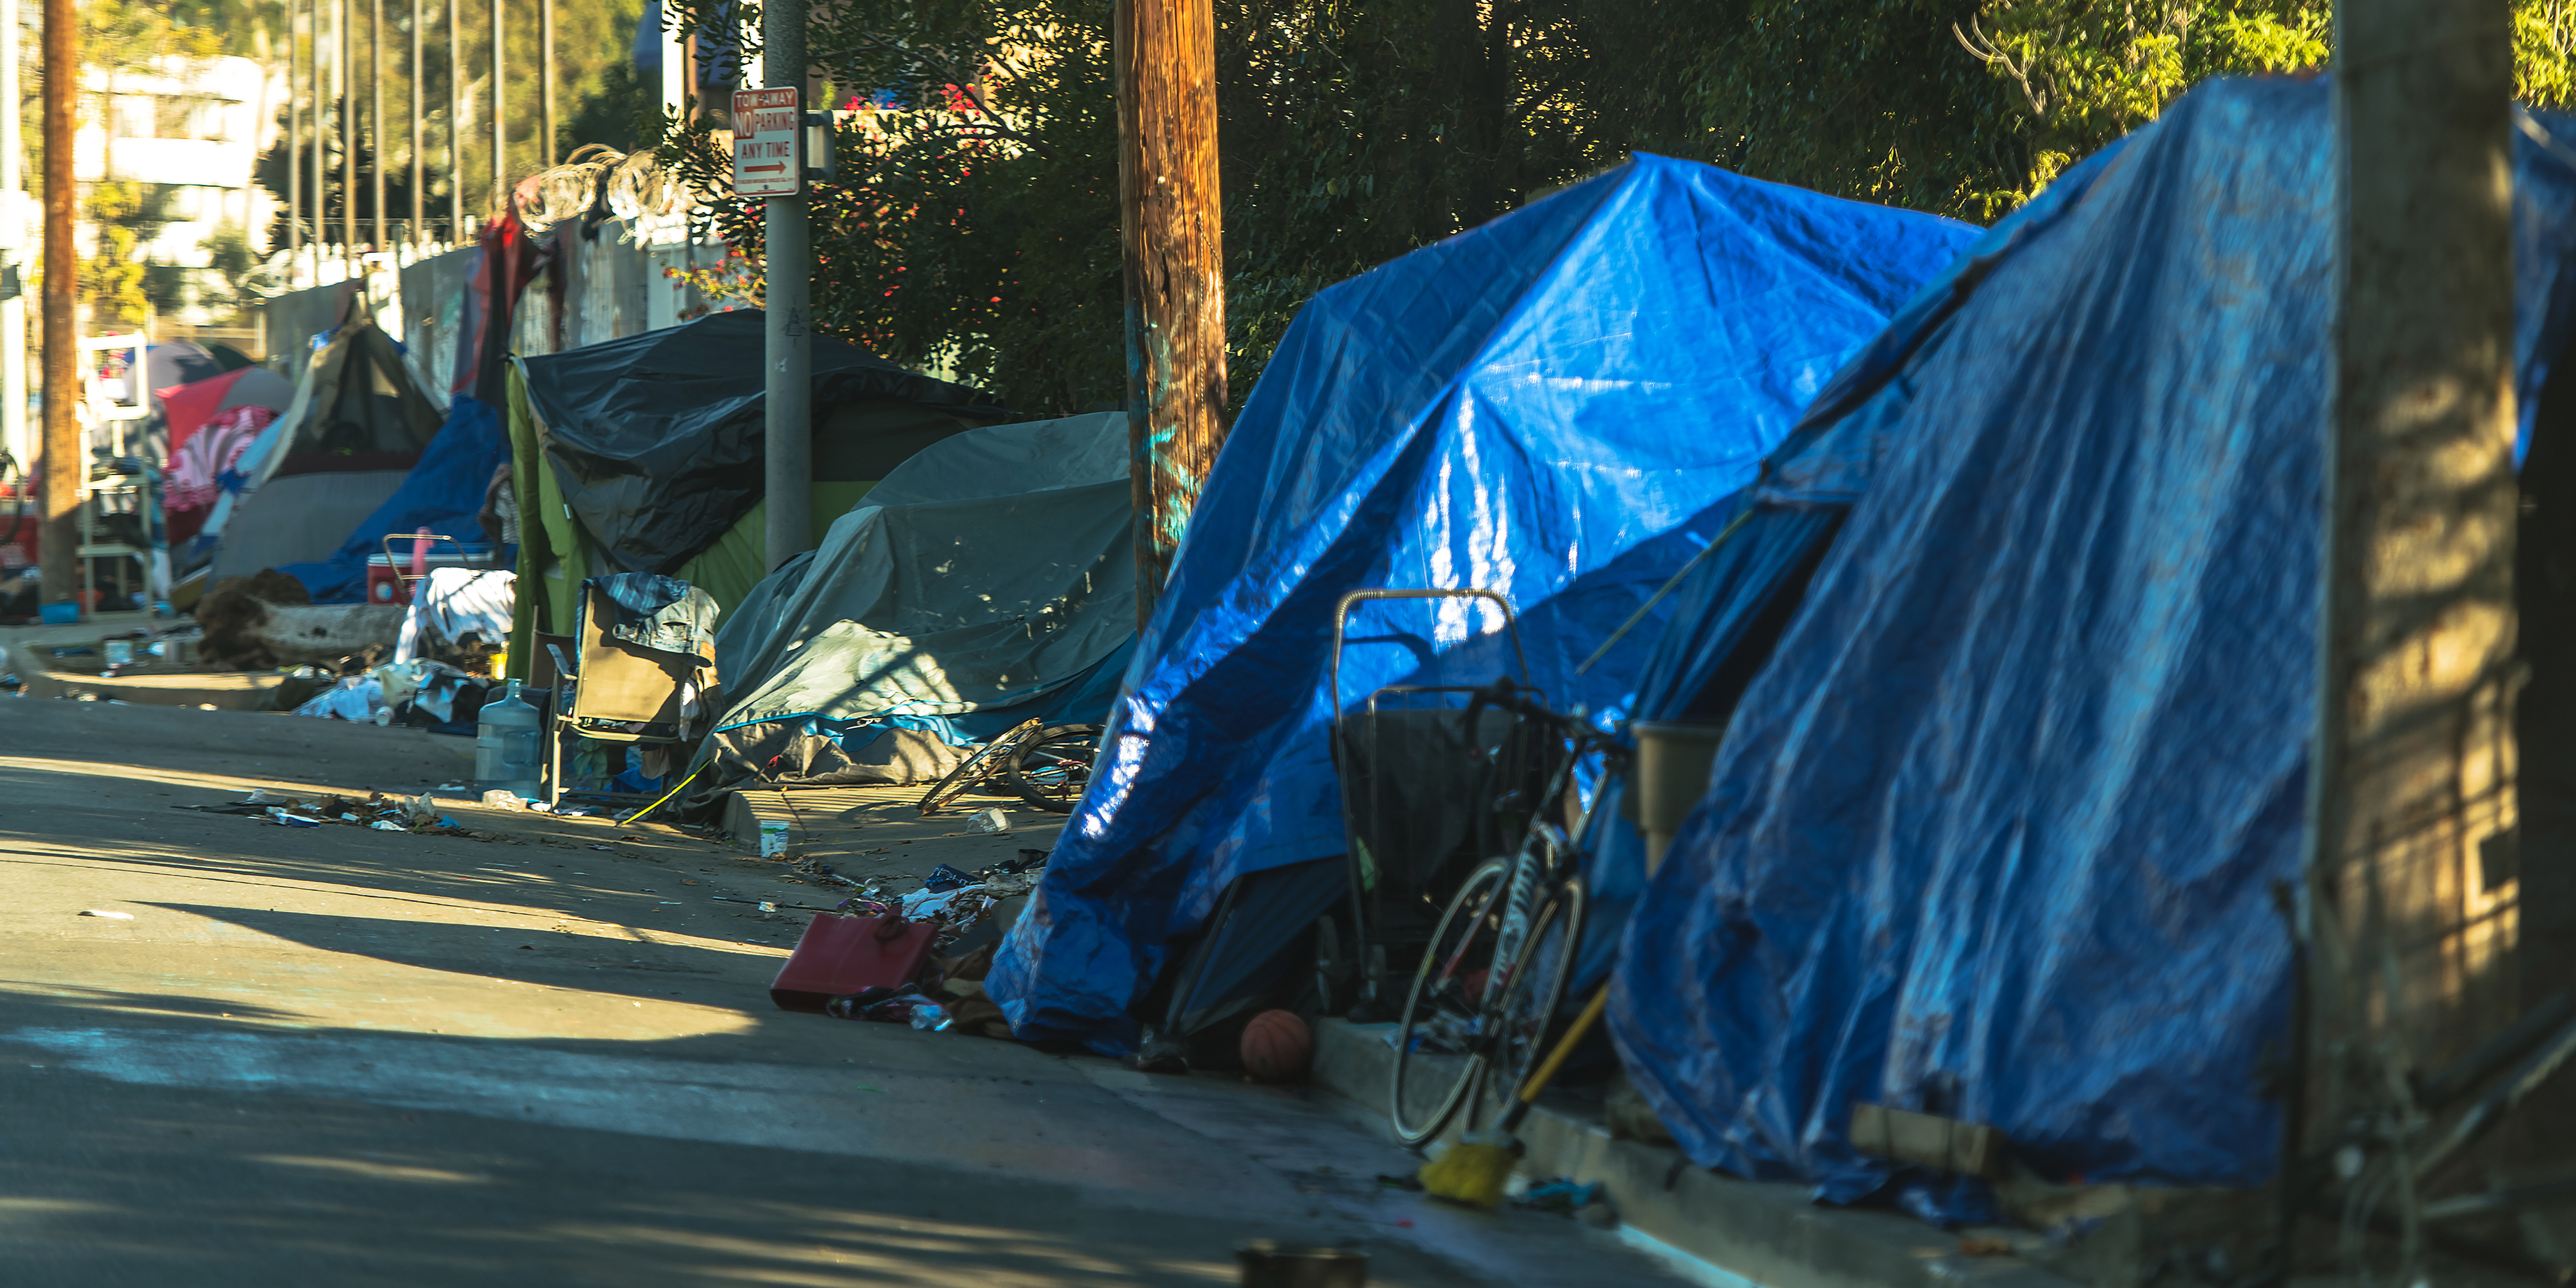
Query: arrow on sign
point(755, 169)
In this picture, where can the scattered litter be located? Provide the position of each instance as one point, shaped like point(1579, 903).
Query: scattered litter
point(112, 916)
point(1562, 1195)
point(382, 825)
point(258, 796)
point(921, 905)
point(450, 787)
point(293, 820)
point(773, 839)
point(503, 798)
point(990, 822)
point(945, 878)
point(769, 905)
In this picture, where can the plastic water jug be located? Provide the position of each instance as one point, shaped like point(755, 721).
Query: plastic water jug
point(508, 747)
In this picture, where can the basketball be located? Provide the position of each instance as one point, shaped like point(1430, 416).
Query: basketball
point(1277, 1047)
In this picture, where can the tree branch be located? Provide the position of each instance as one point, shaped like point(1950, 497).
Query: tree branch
point(1993, 55)
point(965, 85)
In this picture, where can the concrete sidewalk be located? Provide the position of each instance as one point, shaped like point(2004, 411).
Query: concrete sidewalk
point(339, 1056)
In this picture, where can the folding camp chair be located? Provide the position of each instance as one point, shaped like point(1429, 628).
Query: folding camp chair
point(617, 690)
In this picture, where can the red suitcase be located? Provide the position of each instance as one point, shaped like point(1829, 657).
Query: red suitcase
point(841, 954)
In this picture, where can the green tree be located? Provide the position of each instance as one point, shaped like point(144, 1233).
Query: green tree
point(976, 229)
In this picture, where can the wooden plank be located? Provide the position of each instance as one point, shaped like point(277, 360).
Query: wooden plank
point(1927, 1140)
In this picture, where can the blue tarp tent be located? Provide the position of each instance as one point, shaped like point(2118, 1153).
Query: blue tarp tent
point(1557, 406)
point(443, 493)
point(1995, 829)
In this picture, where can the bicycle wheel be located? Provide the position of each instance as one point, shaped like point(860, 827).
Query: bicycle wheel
point(988, 760)
point(1053, 767)
point(1439, 1040)
point(1526, 1011)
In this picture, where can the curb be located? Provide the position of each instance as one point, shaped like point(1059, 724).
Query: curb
point(1755, 1234)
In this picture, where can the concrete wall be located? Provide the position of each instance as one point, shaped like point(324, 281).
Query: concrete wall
point(598, 288)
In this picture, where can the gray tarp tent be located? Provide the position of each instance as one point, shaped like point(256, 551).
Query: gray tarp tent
point(355, 429)
point(988, 579)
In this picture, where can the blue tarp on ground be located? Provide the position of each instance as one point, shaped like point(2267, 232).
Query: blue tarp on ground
point(443, 493)
point(1995, 831)
point(1556, 406)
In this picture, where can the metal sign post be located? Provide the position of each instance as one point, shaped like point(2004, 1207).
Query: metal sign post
point(769, 162)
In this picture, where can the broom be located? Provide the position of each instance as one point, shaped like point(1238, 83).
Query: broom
point(1473, 1170)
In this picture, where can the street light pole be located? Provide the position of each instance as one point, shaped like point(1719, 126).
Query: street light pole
point(376, 124)
point(13, 311)
point(321, 130)
point(1170, 219)
point(788, 271)
point(546, 81)
point(419, 106)
point(500, 125)
point(455, 125)
point(348, 87)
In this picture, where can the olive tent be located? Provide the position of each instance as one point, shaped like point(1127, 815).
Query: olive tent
point(644, 454)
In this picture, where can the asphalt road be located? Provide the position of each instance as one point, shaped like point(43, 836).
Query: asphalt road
point(341, 1057)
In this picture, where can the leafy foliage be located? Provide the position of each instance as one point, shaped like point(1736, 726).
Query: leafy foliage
point(977, 230)
point(977, 227)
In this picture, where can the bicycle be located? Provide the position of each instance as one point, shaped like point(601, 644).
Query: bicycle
point(1046, 765)
point(1495, 972)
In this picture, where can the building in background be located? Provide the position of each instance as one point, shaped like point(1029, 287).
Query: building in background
point(189, 133)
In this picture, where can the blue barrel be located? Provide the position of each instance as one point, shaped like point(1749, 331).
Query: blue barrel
point(509, 747)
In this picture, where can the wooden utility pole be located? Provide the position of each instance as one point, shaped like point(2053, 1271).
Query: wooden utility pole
point(2414, 754)
point(1170, 218)
point(65, 469)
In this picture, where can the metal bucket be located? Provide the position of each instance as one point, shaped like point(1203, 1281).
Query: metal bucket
point(1672, 774)
point(1269, 1264)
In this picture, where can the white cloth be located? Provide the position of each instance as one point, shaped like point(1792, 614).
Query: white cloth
point(355, 697)
point(454, 601)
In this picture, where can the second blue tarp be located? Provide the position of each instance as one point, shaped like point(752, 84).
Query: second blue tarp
point(1997, 832)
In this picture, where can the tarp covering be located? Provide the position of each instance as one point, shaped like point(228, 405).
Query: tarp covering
point(1554, 406)
point(655, 439)
point(443, 493)
point(357, 414)
point(989, 574)
point(1994, 834)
